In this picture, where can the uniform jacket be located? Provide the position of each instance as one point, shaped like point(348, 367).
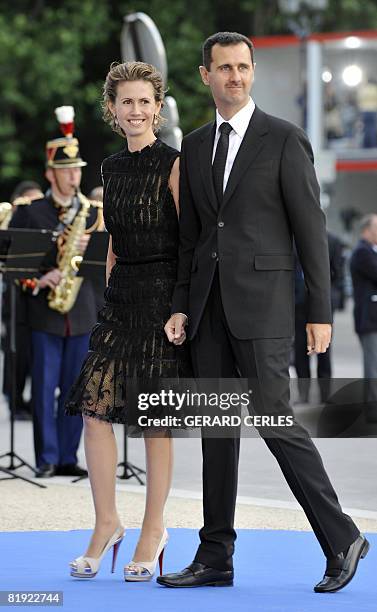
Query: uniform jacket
point(43, 214)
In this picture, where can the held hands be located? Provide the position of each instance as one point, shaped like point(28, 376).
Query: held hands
point(318, 337)
point(51, 279)
point(175, 328)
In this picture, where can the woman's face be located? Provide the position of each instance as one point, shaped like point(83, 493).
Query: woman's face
point(135, 107)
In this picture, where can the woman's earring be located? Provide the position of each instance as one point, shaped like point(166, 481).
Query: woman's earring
point(155, 119)
point(116, 122)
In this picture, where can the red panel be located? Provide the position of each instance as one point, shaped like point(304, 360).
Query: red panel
point(290, 40)
point(274, 41)
point(361, 165)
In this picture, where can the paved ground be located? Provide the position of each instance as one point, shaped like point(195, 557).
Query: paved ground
point(265, 500)
point(63, 506)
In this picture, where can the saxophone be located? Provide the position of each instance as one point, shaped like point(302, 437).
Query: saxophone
point(63, 297)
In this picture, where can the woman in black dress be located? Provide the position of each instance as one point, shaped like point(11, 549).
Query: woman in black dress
point(141, 216)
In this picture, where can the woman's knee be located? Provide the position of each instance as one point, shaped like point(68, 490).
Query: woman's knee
point(94, 426)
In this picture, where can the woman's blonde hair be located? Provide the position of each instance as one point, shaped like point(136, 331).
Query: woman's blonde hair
point(130, 71)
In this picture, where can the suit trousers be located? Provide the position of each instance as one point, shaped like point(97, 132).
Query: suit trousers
point(56, 364)
point(217, 353)
point(368, 343)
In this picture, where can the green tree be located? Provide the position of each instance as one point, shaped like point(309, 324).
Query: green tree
point(183, 31)
point(43, 60)
point(55, 52)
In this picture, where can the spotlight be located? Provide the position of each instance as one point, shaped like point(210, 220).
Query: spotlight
point(352, 75)
point(353, 42)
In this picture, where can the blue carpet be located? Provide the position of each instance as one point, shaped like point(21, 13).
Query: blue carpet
point(275, 571)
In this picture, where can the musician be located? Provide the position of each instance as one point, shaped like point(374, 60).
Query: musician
point(59, 341)
point(23, 194)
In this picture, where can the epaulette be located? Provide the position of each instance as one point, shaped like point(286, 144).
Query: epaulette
point(5, 207)
point(22, 201)
point(5, 214)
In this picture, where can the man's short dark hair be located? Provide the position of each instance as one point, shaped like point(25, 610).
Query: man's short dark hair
point(224, 39)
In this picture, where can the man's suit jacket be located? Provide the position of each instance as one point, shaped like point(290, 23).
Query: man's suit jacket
point(42, 214)
point(272, 195)
point(363, 265)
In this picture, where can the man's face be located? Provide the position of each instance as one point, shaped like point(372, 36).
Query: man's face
point(230, 76)
point(64, 181)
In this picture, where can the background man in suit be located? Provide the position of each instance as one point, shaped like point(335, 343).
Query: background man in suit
point(248, 187)
point(301, 358)
point(59, 341)
point(24, 193)
point(364, 279)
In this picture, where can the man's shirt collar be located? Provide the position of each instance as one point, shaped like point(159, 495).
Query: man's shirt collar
point(240, 120)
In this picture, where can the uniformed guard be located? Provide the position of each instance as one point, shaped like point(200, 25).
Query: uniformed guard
point(60, 317)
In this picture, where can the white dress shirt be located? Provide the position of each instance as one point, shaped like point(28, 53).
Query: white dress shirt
point(239, 123)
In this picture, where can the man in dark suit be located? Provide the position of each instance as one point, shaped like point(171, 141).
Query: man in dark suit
point(23, 194)
point(364, 279)
point(59, 341)
point(248, 187)
point(301, 358)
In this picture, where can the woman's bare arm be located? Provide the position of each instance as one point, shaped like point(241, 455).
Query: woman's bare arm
point(174, 183)
point(110, 261)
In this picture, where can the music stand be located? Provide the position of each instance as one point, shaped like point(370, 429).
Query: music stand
point(129, 469)
point(22, 252)
point(94, 258)
point(93, 264)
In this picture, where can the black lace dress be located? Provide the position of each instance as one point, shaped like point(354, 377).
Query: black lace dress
point(129, 339)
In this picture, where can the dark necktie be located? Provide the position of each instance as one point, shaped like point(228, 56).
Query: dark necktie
point(218, 166)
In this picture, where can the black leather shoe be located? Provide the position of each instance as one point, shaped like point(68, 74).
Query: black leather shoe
point(70, 469)
point(46, 471)
point(341, 569)
point(196, 575)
